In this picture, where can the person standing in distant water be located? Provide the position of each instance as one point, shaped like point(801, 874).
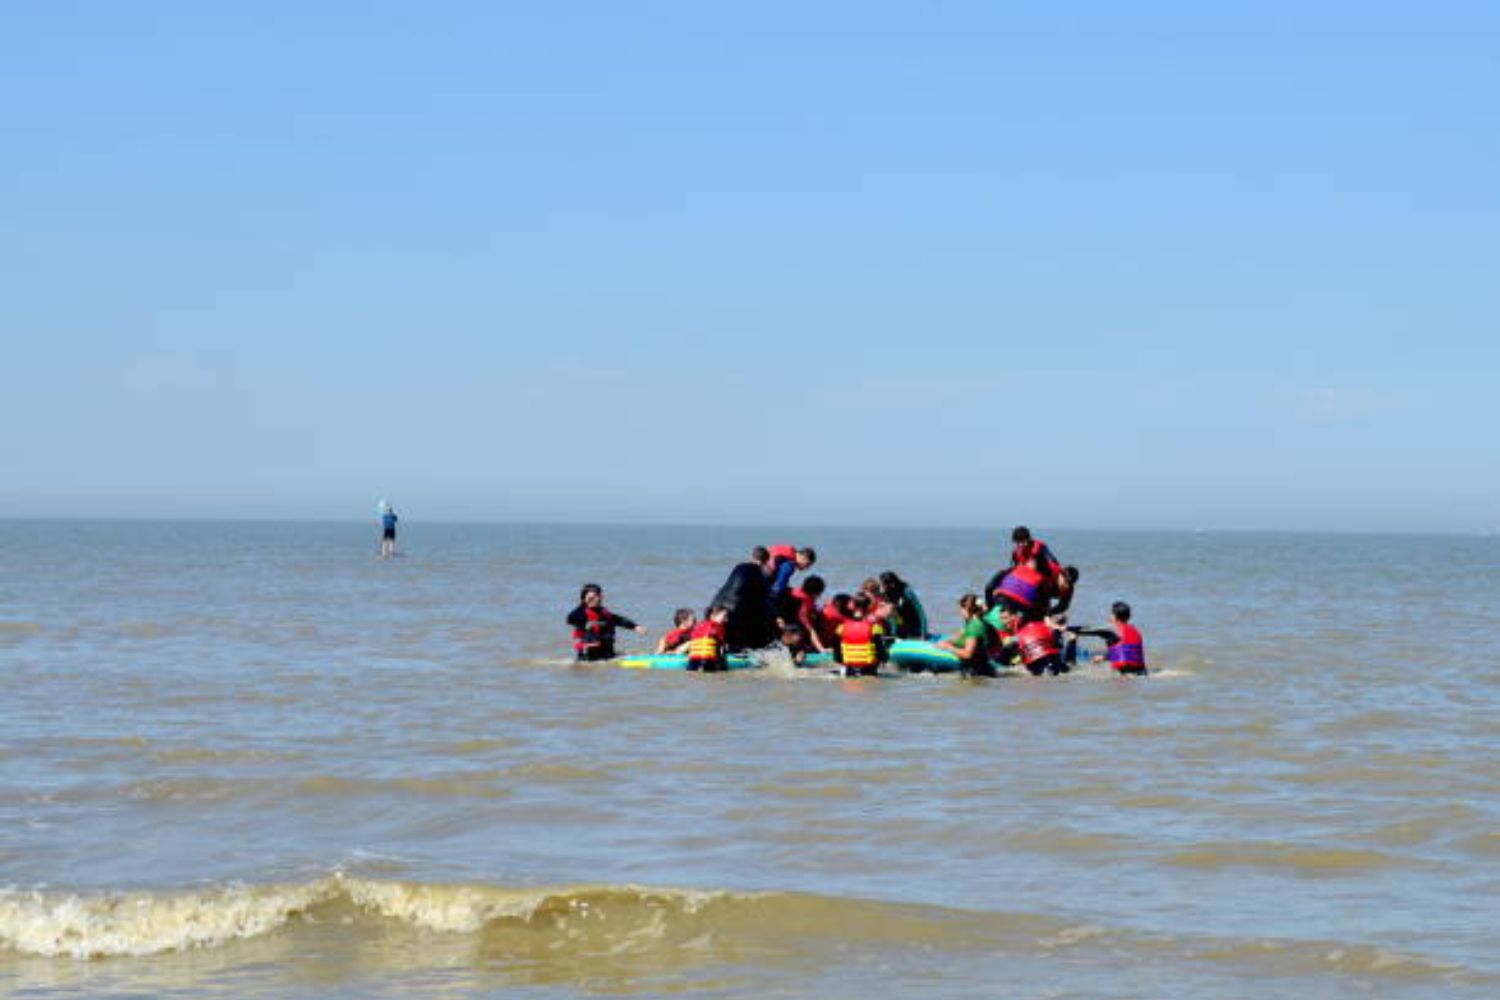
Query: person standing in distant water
point(388, 521)
point(594, 625)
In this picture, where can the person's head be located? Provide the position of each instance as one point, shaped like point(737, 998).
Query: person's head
point(871, 586)
point(970, 606)
point(794, 637)
point(761, 554)
point(843, 604)
point(805, 558)
point(892, 585)
point(1071, 572)
point(1010, 618)
point(814, 586)
point(718, 614)
point(862, 604)
point(1120, 610)
point(1021, 535)
point(592, 595)
point(683, 617)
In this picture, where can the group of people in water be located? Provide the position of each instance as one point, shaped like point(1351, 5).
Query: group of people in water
point(1019, 621)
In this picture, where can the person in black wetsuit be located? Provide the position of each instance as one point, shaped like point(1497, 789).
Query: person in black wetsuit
point(746, 595)
point(594, 625)
point(908, 619)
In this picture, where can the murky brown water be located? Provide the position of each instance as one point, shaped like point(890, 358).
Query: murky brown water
point(253, 760)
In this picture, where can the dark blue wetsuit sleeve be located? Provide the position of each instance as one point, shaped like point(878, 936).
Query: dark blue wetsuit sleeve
point(620, 621)
point(783, 577)
point(916, 603)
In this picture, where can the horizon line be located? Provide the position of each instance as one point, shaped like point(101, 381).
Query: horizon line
point(540, 523)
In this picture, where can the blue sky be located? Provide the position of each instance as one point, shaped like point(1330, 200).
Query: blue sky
point(1090, 265)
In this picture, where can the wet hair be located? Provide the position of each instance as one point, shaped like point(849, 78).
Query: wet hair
point(814, 585)
point(842, 603)
point(870, 586)
point(681, 615)
point(1071, 572)
point(760, 554)
point(589, 588)
point(1120, 610)
point(971, 605)
point(892, 585)
point(811, 556)
point(1021, 534)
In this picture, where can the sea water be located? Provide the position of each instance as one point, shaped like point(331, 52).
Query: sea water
point(250, 759)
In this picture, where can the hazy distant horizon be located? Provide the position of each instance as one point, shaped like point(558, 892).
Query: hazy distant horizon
point(411, 524)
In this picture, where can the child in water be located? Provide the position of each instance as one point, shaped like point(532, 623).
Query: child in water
point(795, 639)
point(830, 617)
point(1126, 650)
point(706, 645)
point(880, 607)
point(676, 640)
point(594, 625)
point(860, 648)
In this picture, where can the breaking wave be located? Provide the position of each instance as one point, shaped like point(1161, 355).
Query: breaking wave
point(644, 923)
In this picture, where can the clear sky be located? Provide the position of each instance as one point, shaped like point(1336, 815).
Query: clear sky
point(1082, 264)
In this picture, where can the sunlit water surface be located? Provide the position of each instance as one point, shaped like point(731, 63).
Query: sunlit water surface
point(253, 760)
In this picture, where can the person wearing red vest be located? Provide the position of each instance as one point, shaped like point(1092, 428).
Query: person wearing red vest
point(674, 641)
point(1046, 582)
point(1027, 549)
point(799, 607)
point(1126, 649)
point(786, 560)
point(1023, 589)
point(833, 614)
point(859, 644)
point(594, 625)
point(706, 645)
point(1035, 643)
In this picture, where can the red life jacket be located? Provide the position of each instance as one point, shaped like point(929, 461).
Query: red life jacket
point(857, 641)
point(828, 622)
point(781, 553)
point(1023, 585)
point(707, 644)
point(677, 637)
point(1037, 642)
point(1130, 652)
point(1029, 553)
point(600, 628)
